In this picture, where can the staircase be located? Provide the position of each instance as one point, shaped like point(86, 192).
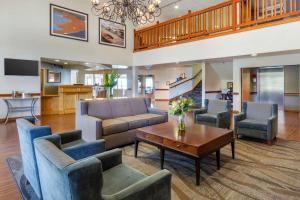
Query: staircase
point(196, 95)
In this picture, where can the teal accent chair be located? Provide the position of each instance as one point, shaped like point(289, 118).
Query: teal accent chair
point(257, 120)
point(214, 113)
point(98, 177)
point(70, 142)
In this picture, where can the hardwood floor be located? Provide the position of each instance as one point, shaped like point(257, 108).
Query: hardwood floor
point(9, 143)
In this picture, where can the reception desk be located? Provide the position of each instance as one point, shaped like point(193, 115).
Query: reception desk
point(64, 102)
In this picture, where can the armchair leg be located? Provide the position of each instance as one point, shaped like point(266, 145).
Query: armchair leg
point(269, 142)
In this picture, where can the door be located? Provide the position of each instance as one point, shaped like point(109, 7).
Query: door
point(246, 96)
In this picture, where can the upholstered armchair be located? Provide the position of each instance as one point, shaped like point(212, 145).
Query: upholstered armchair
point(215, 113)
point(257, 120)
point(99, 177)
point(70, 142)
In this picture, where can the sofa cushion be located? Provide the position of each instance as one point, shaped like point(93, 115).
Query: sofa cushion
point(138, 106)
point(152, 118)
point(120, 108)
point(100, 109)
point(119, 178)
point(261, 125)
point(73, 143)
point(259, 110)
point(112, 126)
point(216, 106)
point(207, 118)
point(134, 121)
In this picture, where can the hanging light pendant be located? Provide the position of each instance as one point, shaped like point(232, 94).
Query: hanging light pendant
point(137, 11)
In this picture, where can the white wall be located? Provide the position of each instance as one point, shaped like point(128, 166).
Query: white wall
point(25, 35)
point(260, 61)
point(270, 39)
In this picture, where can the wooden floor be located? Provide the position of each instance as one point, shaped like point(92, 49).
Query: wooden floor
point(9, 144)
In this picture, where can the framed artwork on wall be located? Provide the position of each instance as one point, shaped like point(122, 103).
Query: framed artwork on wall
point(68, 23)
point(112, 33)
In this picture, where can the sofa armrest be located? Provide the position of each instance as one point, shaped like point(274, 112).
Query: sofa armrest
point(223, 119)
point(237, 118)
point(272, 127)
point(91, 127)
point(197, 112)
point(85, 178)
point(159, 112)
point(70, 136)
point(110, 158)
point(85, 150)
point(157, 186)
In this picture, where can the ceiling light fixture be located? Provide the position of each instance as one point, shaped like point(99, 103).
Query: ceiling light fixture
point(137, 11)
point(176, 7)
point(254, 54)
point(57, 60)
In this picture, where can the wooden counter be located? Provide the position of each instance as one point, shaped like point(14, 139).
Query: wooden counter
point(65, 101)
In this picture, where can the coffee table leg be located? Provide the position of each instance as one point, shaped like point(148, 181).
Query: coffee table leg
point(162, 157)
point(197, 168)
point(218, 158)
point(233, 149)
point(136, 147)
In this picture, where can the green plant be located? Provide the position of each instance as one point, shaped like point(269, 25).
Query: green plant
point(181, 106)
point(110, 81)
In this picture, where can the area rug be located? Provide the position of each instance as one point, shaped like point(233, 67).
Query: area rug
point(259, 171)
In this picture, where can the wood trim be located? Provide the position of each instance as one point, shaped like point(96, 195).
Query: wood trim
point(217, 91)
point(9, 95)
point(161, 99)
point(184, 80)
point(12, 119)
point(291, 94)
point(161, 89)
point(235, 93)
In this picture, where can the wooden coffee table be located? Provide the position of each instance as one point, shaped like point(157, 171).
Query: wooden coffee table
point(196, 142)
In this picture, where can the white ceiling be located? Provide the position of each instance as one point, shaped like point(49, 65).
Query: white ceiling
point(184, 6)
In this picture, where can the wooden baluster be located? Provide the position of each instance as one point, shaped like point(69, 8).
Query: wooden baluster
point(189, 24)
point(157, 34)
point(234, 12)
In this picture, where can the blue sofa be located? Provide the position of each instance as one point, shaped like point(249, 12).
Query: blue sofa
point(215, 113)
point(258, 120)
point(70, 142)
point(99, 177)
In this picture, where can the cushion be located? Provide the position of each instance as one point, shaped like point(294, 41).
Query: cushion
point(120, 108)
point(207, 117)
point(259, 111)
point(134, 121)
point(72, 144)
point(152, 118)
point(138, 106)
point(216, 106)
point(100, 109)
point(261, 125)
point(119, 178)
point(111, 126)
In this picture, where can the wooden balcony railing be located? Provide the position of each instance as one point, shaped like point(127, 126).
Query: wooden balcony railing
point(226, 17)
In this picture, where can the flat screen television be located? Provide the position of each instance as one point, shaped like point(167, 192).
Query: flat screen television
point(15, 67)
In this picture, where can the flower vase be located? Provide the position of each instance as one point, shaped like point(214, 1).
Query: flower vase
point(109, 92)
point(181, 123)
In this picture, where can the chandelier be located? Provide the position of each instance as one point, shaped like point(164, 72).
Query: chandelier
point(137, 11)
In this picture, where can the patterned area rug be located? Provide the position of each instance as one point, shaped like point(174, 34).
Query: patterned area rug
point(259, 171)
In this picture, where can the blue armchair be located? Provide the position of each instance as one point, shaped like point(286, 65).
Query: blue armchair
point(69, 142)
point(257, 120)
point(99, 177)
point(215, 113)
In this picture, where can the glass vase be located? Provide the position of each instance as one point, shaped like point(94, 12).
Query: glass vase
point(109, 92)
point(181, 123)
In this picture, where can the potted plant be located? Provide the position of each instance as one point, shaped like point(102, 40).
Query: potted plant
point(110, 81)
point(180, 108)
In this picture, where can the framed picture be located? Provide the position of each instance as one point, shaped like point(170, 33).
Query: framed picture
point(112, 33)
point(68, 23)
point(53, 77)
point(229, 85)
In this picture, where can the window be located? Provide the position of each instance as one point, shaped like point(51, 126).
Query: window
point(122, 82)
point(74, 76)
point(98, 79)
point(89, 79)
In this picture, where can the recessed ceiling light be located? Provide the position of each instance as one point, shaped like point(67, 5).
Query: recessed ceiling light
point(254, 54)
point(65, 63)
point(176, 7)
point(57, 60)
point(87, 63)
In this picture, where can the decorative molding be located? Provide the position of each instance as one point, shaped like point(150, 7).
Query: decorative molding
point(217, 91)
point(236, 93)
